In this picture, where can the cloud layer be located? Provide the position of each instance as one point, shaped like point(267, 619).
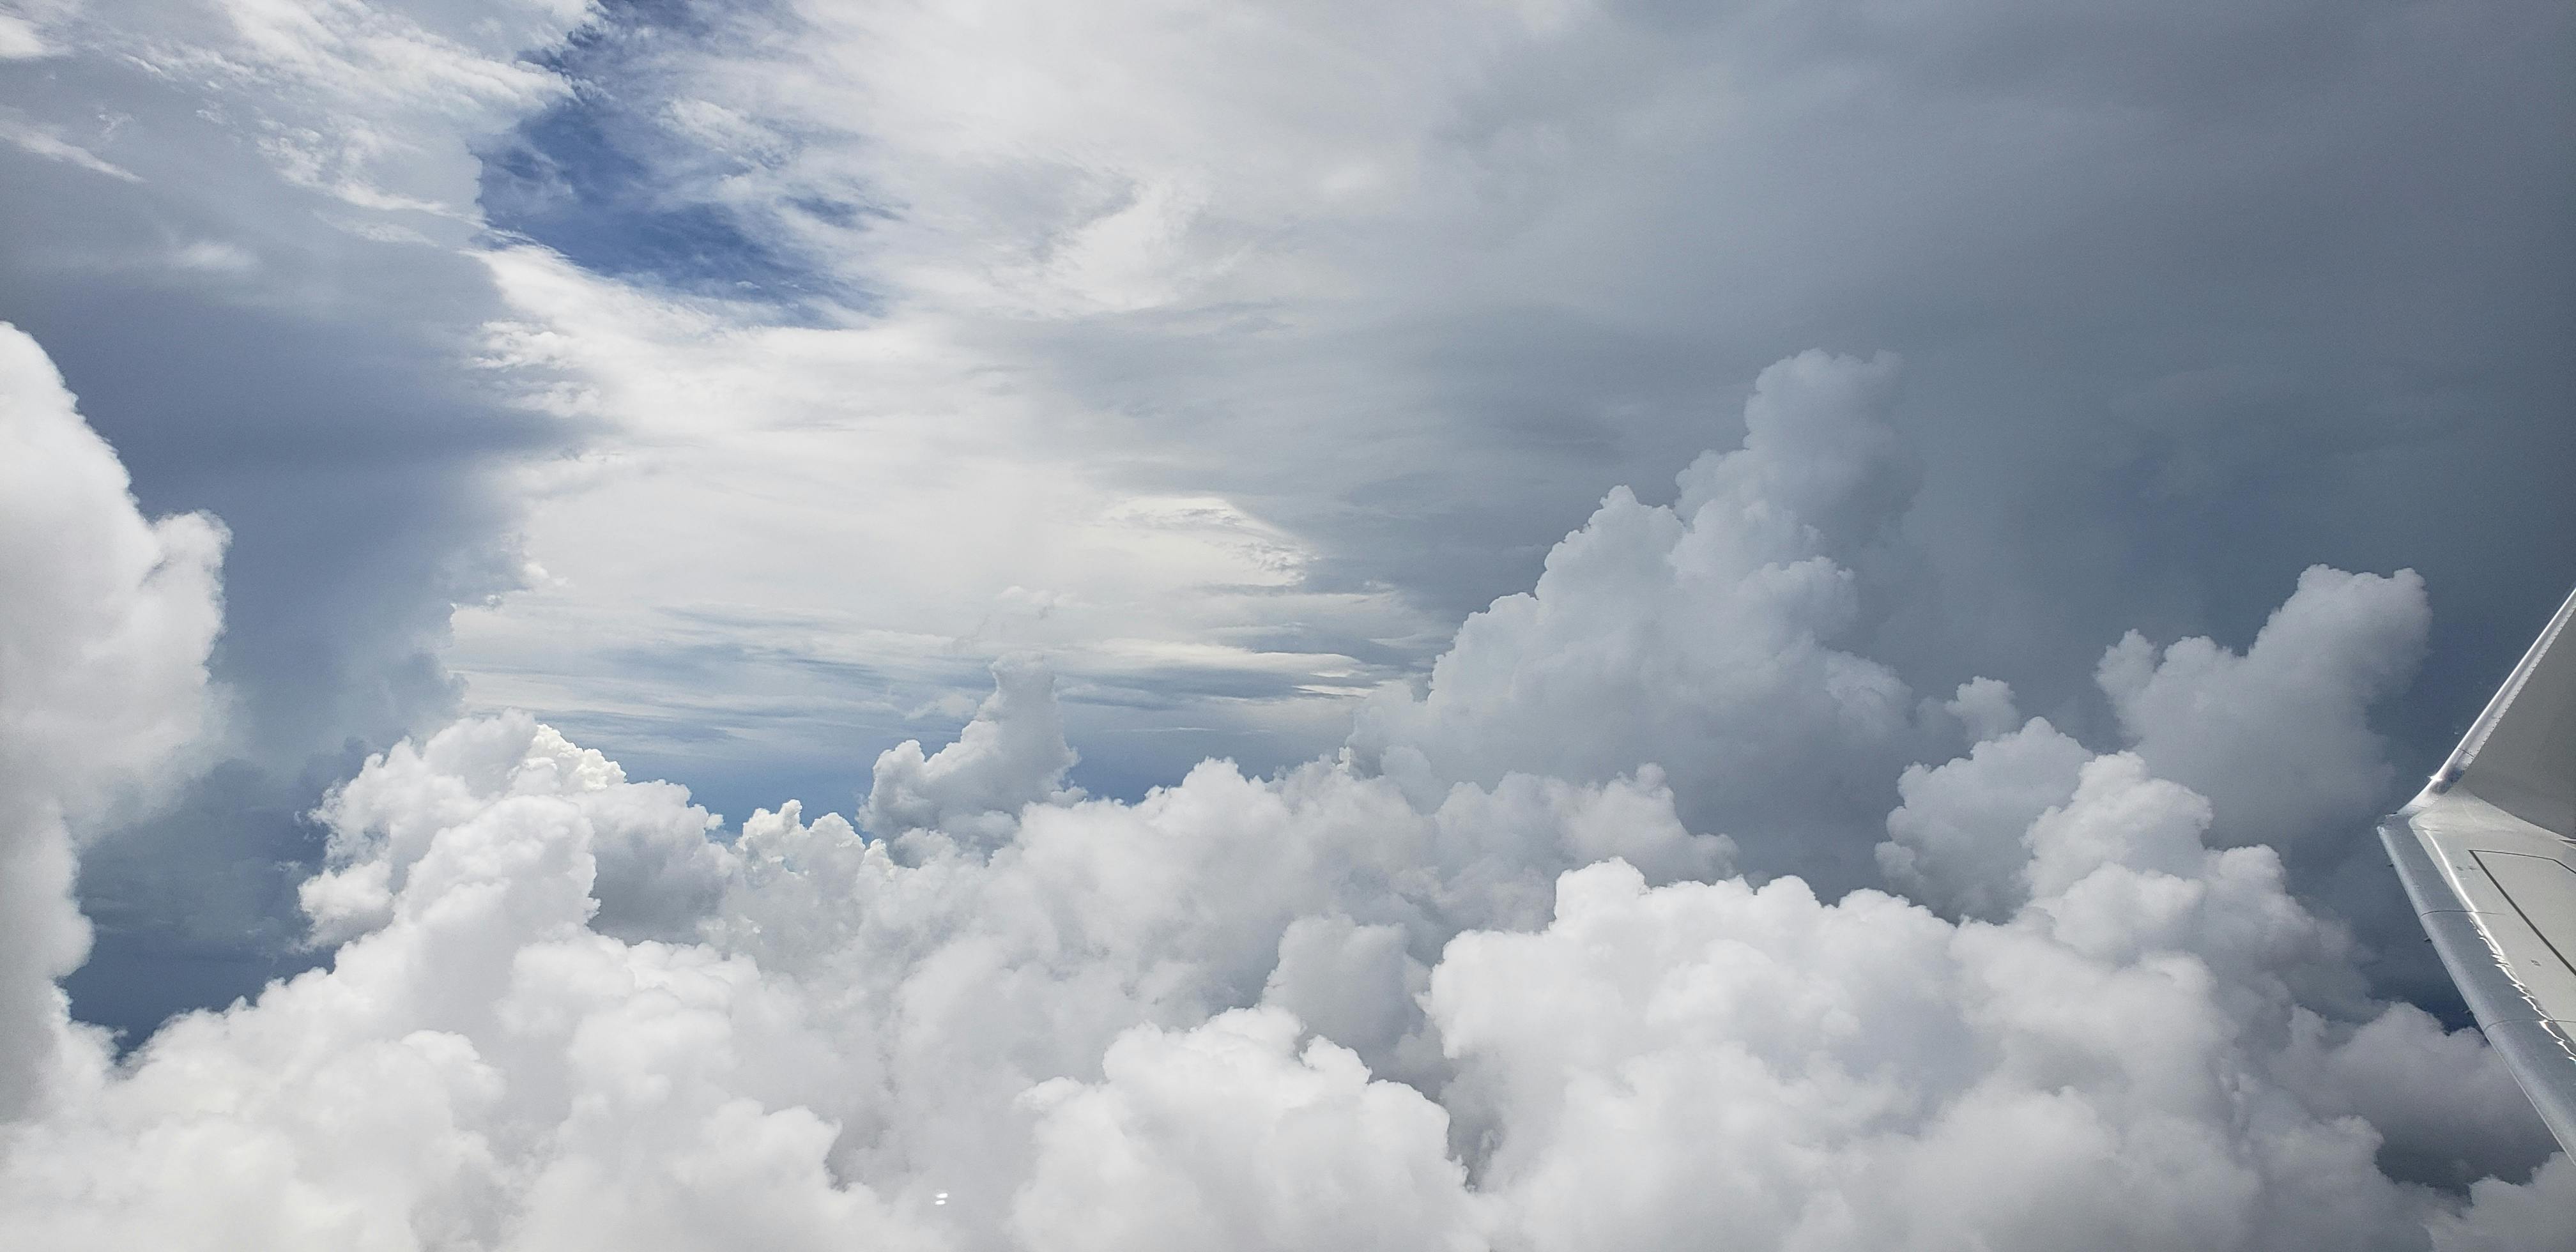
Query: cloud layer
point(739, 380)
point(1458, 987)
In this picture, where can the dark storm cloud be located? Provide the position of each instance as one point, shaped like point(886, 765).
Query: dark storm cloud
point(2188, 301)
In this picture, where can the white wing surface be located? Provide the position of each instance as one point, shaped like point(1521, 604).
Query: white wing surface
point(2488, 855)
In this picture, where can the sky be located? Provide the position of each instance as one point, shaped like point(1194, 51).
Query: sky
point(1524, 625)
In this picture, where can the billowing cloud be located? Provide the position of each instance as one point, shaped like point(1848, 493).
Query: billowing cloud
point(1012, 755)
point(1355, 1003)
point(1234, 1135)
point(237, 229)
point(2278, 738)
point(104, 632)
point(1700, 636)
point(2225, 724)
point(1234, 359)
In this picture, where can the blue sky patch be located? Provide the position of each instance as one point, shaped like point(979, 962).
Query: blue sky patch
point(601, 180)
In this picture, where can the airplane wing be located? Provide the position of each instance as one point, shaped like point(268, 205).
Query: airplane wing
point(2488, 855)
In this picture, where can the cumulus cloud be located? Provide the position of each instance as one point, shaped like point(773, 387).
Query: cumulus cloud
point(1410, 286)
point(1956, 841)
point(2277, 737)
point(656, 872)
point(1011, 755)
point(1862, 1074)
point(104, 631)
point(1524, 1004)
point(185, 201)
point(1183, 1141)
point(1700, 636)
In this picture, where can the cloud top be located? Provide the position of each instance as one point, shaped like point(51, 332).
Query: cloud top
point(1478, 983)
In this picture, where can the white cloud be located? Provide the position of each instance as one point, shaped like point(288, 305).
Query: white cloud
point(656, 872)
point(371, 104)
point(33, 28)
point(104, 632)
point(44, 143)
point(1343, 272)
point(1232, 1135)
point(214, 256)
point(19, 39)
point(1227, 358)
point(205, 294)
point(1956, 841)
point(1330, 1008)
point(2278, 736)
point(733, 462)
point(2503, 1218)
point(1012, 755)
point(1699, 636)
point(2108, 1065)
